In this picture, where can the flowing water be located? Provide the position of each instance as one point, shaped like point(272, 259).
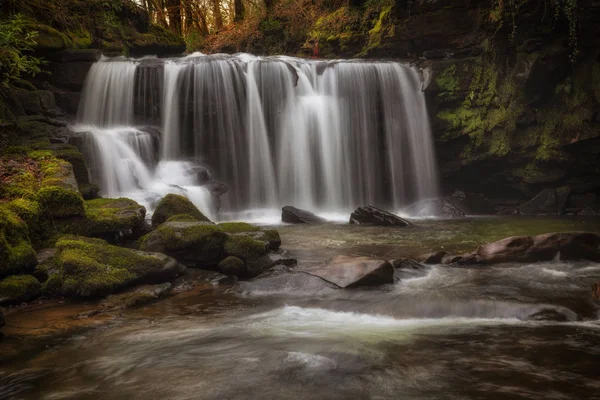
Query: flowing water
point(437, 333)
point(323, 135)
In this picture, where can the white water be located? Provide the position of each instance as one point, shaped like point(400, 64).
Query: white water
point(327, 136)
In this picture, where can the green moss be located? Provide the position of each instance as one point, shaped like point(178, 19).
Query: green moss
point(16, 253)
point(232, 265)
point(174, 204)
point(53, 286)
point(238, 227)
point(447, 80)
point(183, 236)
point(244, 247)
point(60, 202)
point(18, 288)
point(181, 217)
point(92, 267)
point(72, 155)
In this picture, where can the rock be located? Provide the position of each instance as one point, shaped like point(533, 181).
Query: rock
point(89, 191)
point(195, 244)
point(548, 201)
point(293, 215)
point(135, 297)
point(370, 215)
point(71, 154)
point(471, 204)
point(436, 54)
point(59, 193)
point(439, 208)
point(93, 268)
point(267, 235)
point(16, 289)
point(110, 219)
point(583, 201)
point(16, 253)
point(547, 247)
point(433, 258)
point(345, 271)
point(407, 263)
point(202, 174)
point(68, 101)
point(73, 55)
point(286, 283)
point(588, 211)
point(2, 321)
point(175, 204)
point(551, 315)
point(194, 276)
point(596, 290)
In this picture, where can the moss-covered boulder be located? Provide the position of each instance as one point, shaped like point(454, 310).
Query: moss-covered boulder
point(195, 244)
point(16, 289)
point(92, 267)
point(109, 219)
point(135, 297)
point(269, 236)
point(16, 253)
point(175, 204)
point(59, 193)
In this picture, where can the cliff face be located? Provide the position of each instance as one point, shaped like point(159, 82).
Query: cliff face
point(511, 112)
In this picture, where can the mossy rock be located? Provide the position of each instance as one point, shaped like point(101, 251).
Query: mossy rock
point(244, 247)
point(16, 289)
point(238, 227)
point(16, 253)
point(92, 267)
point(182, 217)
point(110, 219)
point(195, 244)
point(60, 202)
point(175, 204)
point(269, 236)
point(72, 155)
point(232, 265)
point(31, 212)
point(90, 191)
point(58, 194)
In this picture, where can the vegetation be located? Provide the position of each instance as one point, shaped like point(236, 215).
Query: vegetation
point(16, 42)
point(175, 204)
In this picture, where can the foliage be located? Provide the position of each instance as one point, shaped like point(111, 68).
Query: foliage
point(16, 42)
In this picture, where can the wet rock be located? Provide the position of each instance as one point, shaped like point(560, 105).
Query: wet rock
point(471, 204)
point(193, 243)
point(202, 174)
point(175, 204)
point(596, 290)
point(439, 208)
point(16, 289)
point(433, 258)
point(588, 211)
point(370, 215)
point(193, 276)
point(345, 271)
point(547, 315)
point(293, 215)
point(286, 283)
point(135, 297)
point(92, 268)
point(547, 247)
point(436, 54)
point(407, 263)
point(547, 202)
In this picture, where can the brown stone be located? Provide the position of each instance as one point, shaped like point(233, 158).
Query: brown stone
point(345, 271)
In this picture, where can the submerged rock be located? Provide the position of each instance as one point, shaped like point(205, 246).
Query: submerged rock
point(345, 271)
point(407, 263)
point(370, 215)
point(175, 204)
point(293, 215)
point(92, 267)
point(547, 247)
point(287, 283)
point(439, 208)
point(547, 315)
point(16, 289)
point(135, 297)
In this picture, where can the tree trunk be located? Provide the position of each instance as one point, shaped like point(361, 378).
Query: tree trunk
point(174, 13)
point(239, 10)
point(269, 5)
point(216, 7)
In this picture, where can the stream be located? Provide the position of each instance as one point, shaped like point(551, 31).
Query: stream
point(511, 331)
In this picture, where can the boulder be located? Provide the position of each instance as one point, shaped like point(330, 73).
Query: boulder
point(175, 204)
point(406, 268)
point(370, 215)
point(547, 247)
point(293, 215)
point(407, 263)
point(59, 193)
point(438, 208)
point(433, 258)
point(16, 289)
point(280, 281)
point(471, 204)
point(547, 202)
point(344, 271)
point(16, 253)
point(135, 297)
point(92, 268)
point(193, 243)
point(269, 236)
point(110, 219)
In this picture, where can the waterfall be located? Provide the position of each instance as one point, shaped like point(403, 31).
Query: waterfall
point(322, 135)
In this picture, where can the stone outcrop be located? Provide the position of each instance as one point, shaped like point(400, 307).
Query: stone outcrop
point(16, 289)
point(288, 283)
point(344, 271)
point(370, 215)
point(547, 202)
point(175, 204)
point(293, 215)
point(547, 247)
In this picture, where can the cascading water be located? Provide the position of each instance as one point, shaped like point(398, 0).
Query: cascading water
point(322, 135)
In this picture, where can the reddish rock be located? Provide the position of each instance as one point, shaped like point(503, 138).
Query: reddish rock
point(345, 271)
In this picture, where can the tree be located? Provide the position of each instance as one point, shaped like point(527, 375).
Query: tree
point(238, 10)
